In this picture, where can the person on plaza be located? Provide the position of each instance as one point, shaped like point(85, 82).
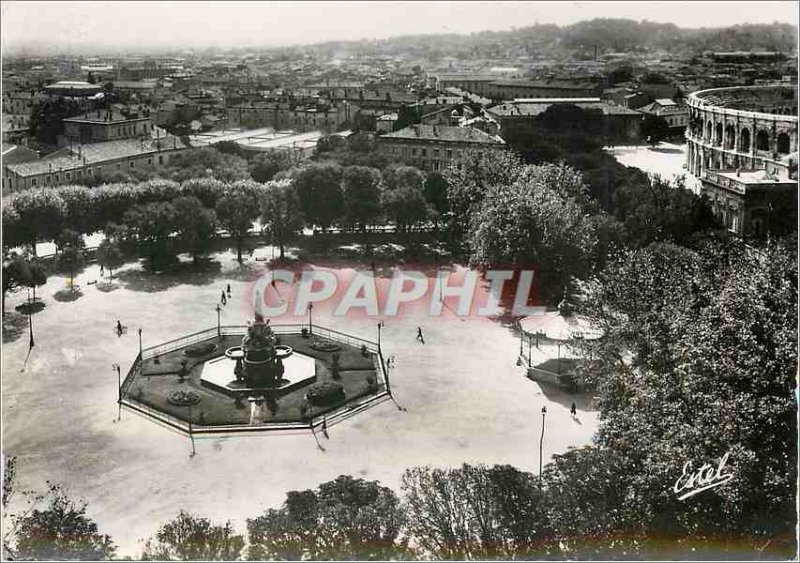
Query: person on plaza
point(573, 409)
point(325, 428)
point(224, 299)
point(420, 337)
point(119, 328)
point(229, 290)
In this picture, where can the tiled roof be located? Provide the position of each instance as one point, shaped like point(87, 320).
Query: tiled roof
point(444, 133)
point(96, 153)
point(534, 108)
point(102, 116)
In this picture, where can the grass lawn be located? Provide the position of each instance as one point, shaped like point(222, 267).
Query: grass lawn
point(156, 380)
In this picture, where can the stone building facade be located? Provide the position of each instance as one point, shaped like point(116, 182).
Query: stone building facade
point(742, 146)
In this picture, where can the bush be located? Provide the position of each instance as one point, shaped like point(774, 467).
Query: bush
point(326, 393)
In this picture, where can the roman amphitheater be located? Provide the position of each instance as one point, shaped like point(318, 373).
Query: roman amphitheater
point(748, 127)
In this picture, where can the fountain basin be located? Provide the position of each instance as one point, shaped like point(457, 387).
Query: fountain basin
point(218, 374)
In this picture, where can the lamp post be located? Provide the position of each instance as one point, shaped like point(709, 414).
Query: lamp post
point(310, 329)
point(191, 434)
point(530, 337)
point(521, 337)
point(380, 326)
point(116, 368)
point(140, 343)
point(219, 331)
point(30, 329)
point(541, 443)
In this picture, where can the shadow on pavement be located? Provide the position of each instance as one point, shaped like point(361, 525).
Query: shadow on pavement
point(14, 325)
point(67, 295)
point(31, 308)
point(202, 273)
point(583, 401)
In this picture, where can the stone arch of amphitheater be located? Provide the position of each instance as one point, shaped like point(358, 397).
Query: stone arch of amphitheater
point(747, 127)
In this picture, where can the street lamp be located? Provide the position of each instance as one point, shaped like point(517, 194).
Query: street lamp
point(219, 332)
point(541, 441)
point(380, 326)
point(140, 343)
point(310, 329)
point(116, 368)
point(30, 328)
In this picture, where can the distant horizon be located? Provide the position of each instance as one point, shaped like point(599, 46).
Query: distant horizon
point(46, 28)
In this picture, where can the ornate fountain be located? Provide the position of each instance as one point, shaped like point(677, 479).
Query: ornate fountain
point(259, 360)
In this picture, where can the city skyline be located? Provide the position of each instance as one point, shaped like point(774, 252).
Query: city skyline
point(42, 27)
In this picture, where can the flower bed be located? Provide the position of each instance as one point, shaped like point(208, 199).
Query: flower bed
point(183, 398)
point(324, 346)
point(325, 394)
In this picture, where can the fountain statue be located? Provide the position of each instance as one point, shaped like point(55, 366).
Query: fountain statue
point(259, 360)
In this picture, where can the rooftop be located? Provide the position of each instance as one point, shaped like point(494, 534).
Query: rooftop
point(532, 108)
point(444, 133)
point(102, 116)
point(95, 153)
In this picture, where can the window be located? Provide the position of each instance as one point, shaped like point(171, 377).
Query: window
point(119, 165)
point(436, 153)
point(149, 162)
point(33, 182)
point(160, 159)
point(47, 180)
point(424, 152)
point(58, 177)
point(79, 173)
point(68, 176)
point(449, 153)
point(133, 164)
point(413, 152)
point(90, 172)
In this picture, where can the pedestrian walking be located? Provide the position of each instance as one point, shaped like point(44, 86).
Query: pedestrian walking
point(224, 299)
point(119, 327)
point(573, 409)
point(229, 290)
point(101, 270)
point(325, 428)
point(420, 337)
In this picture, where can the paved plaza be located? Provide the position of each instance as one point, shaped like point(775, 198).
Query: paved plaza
point(464, 397)
point(665, 159)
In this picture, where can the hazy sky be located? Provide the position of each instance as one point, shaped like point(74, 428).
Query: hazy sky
point(143, 24)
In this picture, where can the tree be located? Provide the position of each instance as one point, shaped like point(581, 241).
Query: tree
point(280, 213)
point(436, 196)
point(361, 187)
point(236, 211)
point(528, 225)
point(319, 191)
point(476, 512)
point(206, 162)
point(196, 225)
point(110, 256)
point(469, 179)
point(16, 272)
point(151, 225)
point(345, 518)
point(654, 129)
point(265, 165)
point(61, 531)
point(403, 196)
point(70, 260)
point(652, 209)
point(37, 276)
point(191, 538)
point(704, 342)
